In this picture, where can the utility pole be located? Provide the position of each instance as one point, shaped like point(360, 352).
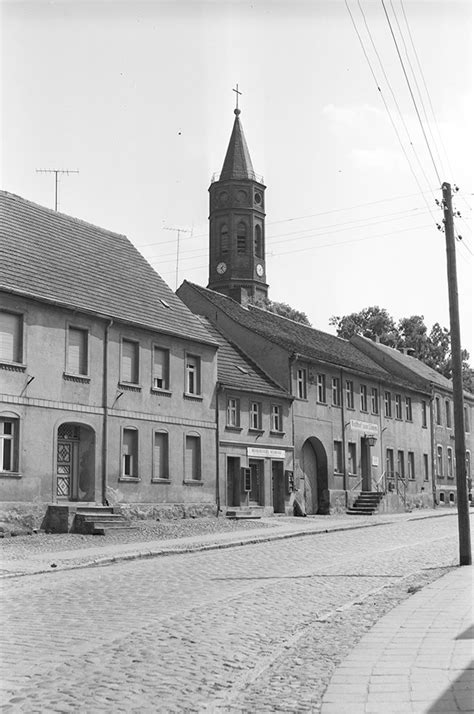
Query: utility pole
point(56, 172)
point(465, 557)
point(178, 232)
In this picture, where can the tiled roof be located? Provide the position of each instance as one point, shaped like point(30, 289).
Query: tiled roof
point(237, 162)
point(52, 257)
point(298, 338)
point(237, 370)
point(419, 369)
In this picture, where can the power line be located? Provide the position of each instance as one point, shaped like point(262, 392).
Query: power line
point(411, 92)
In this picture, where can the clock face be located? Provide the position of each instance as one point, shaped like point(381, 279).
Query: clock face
point(259, 270)
point(258, 197)
point(221, 268)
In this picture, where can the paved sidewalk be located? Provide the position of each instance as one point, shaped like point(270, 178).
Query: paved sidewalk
point(106, 553)
point(417, 658)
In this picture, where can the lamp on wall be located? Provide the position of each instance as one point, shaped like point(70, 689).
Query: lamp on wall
point(371, 440)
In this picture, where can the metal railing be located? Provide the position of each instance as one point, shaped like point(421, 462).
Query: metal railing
point(251, 175)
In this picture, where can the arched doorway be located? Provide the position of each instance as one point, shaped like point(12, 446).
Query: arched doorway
point(75, 463)
point(314, 465)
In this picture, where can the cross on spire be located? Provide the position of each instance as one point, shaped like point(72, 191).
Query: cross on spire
point(236, 90)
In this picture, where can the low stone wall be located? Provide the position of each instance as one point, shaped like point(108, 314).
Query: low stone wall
point(163, 511)
point(22, 516)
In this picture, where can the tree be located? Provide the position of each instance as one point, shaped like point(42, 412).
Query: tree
point(411, 333)
point(283, 309)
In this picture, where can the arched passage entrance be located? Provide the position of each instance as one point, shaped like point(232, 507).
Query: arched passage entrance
point(314, 465)
point(75, 462)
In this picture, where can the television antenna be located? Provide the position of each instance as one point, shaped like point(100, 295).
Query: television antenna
point(178, 236)
point(56, 172)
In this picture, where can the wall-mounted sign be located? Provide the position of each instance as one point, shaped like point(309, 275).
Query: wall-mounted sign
point(365, 426)
point(375, 460)
point(253, 451)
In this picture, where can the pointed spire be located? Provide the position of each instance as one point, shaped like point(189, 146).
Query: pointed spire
point(237, 162)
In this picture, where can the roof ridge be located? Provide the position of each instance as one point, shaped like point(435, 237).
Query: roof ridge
point(55, 213)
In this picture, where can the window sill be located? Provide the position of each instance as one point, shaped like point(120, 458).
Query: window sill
point(13, 366)
point(323, 404)
point(129, 387)
point(10, 474)
point(338, 406)
point(161, 392)
point(194, 482)
point(254, 430)
point(161, 480)
point(277, 433)
point(228, 427)
point(129, 479)
point(79, 378)
point(193, 397)
point(350, 409)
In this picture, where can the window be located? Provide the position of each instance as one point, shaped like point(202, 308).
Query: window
point(349, 394)
point(466, 419)
point(439, 461)
point(451, 497)
point(233, 412)
point(352, 458)
point(441, 497)
point(160, 456)
point(449, 458)
point(241, 238)
point(338, 465)
point(258, 242)
point(192, 467)
point(426, 468)
point(398, 406)
point(161, 362)
point(277, 420)
point(11, 337)
point(336, 391)
point(388, 404)
point(401, 464)
point(301, 383)
point(374, 400)
point(224, 239)
point(411, 465)
point(321, 381)
point(8, 444)
point(363, 398)
point(255, 415)
point(130, 352)
point(77, 362)
point(130, 453)
point(438, 410)
point(390, 463)
point(468, 464)
point(193, 374)
point(424, 421)
point(447, 405)
point(408, 409)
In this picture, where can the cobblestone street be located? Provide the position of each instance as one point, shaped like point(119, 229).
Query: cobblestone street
point(252, 628)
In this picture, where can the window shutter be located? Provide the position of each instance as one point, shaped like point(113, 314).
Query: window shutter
point(10, 326)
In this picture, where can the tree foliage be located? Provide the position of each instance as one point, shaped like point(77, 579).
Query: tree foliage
point(283, 309)
point(432, 347)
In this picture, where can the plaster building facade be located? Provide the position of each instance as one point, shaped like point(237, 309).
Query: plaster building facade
point(107, 380)
point(255, 435)
point(437, 418)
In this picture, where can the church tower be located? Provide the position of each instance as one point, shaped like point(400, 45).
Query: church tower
point(237, 224)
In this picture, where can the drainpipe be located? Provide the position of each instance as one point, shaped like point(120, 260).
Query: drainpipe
point(343, 427)
point(433, 448)
point(218, 496)
point(106, 412)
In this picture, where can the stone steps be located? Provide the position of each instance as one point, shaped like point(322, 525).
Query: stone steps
point(98, 520)
point(240, 514)
point(366, 504)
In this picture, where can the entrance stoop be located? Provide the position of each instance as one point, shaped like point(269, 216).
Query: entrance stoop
point(85, 518)
point(366, 503)
point(240, 514)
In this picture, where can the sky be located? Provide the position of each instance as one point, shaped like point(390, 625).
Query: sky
point(137, 97)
